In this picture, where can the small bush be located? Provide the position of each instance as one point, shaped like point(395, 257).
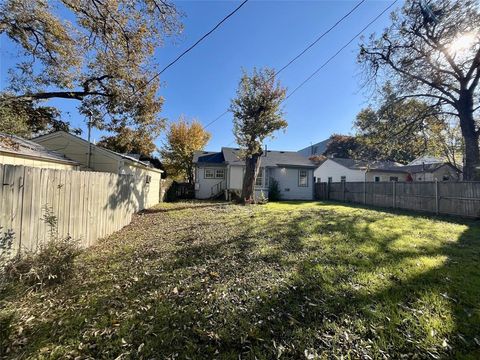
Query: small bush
point(262, 199)
point(274, 190)
point(171, 193)
point(51, 264)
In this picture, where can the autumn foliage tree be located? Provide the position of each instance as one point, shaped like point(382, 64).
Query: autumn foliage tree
point(183, 139)
point(431, 51)
point(257, 114)
point(102, 57)
point(130, 141)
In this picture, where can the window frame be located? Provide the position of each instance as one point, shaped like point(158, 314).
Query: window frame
point(300, 178)
point(209, 170)
point(394, 178)
point(343, 178)
point(375, 179)
point(223, 174)
point(261, 176)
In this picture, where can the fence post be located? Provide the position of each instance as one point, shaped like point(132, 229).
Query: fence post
point(365, 193)
point(436, 197)
point(343, 185)
point(394, 194)
point(328, 190)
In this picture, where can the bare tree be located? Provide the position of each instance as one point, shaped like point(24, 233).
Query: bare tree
point(432, 51)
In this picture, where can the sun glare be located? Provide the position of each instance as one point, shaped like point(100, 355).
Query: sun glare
point(462, 43)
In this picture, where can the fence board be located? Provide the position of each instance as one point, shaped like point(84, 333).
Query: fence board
point(87, 205)
point(452, 198)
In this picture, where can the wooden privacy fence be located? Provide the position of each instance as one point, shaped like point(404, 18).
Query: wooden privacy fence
point(452, 198)
point(86, 205)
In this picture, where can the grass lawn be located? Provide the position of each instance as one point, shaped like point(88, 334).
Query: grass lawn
point(284, 280)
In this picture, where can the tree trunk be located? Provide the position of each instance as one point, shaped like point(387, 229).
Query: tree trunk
point(470, 137)
point(251, 170)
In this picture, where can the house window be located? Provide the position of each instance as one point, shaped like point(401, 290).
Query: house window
point(148, 179)
point(329, 179)
point(209, 174)
point(259, 180)
point(302, 178)
point(393, 178)
point(343, 178)
point(445, 178)
point(319, 180)
point(219, 173)
point(377, 178)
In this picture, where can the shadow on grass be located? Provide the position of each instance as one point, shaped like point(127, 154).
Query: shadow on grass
point(286, 284)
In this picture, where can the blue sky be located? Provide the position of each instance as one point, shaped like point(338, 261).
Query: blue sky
point(262, 33)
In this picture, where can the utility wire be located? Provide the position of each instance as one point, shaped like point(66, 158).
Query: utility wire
point(191, 47)
point(319, 38)
point(185, 52)
point(340, 50)
point(301, 53)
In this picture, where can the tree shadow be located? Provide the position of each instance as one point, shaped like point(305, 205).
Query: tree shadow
point(263, 286)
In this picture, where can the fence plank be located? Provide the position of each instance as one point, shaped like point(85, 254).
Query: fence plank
point(87, 205)
point(452, 198)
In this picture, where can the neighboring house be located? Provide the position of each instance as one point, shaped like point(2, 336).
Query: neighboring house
point(96, 158)
point(18, 151)
point(339, 169)
point(222, 172)
point(315, 149)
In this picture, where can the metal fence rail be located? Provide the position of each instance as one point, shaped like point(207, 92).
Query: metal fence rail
point(452, 198)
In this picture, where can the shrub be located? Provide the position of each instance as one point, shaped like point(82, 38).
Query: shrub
point(262, 199)
point(51, 264)
point(274, 190)
point(171, 193)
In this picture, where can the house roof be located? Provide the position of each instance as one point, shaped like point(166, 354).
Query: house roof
point(208, 157)
point(129, 157)
point(270, 158)
point(356, 164)
point(389, 166)
point(315, 149)
point(16, 145)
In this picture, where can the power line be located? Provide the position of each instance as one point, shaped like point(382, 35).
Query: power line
point(319, 38)
point(191, 47)
point(340, 50)
point(301, 53)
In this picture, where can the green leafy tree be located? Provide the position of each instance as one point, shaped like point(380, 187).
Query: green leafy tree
point(342, 146)
point(402, 130)
point(130, 141)
point(25, 119)
point(431, 51)
point(257, 114)
point(183, 139)
point(102, 58)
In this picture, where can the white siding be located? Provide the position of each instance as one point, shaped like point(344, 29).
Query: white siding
point(77, 150)
point(385, 176)
point(334, 170)
point(203, 187)
point(147, 194)
point(13, 159)
point(288, 182)
point(236, 177)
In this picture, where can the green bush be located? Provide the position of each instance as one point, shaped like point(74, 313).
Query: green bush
point(274, 190)
point(51, 264)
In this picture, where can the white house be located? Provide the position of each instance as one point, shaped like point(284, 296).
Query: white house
point(340, 169)
point(218, 173)
point(15, 150)
point(96, 158)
